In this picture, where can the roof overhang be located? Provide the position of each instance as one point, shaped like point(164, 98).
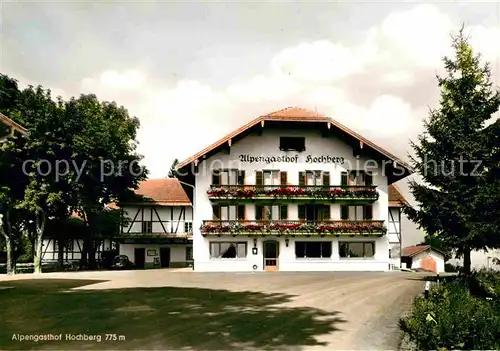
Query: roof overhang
point(14, 127)
point(397, 169)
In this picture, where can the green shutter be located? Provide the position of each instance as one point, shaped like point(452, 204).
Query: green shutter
point(343, 178)
point(241, 212)
point(259, 179)
point(344, 212)
point(241, 178)
point(284, 212)
point(283, 178)
point(302, 212)
point(368, 212)
point(326, 178)
point(258, 212)
point(216, 212)
point(302, 178)
point(216, 177)
point(368, 179)
point(326, 212)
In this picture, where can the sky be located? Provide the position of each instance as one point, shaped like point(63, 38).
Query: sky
point(194, 71)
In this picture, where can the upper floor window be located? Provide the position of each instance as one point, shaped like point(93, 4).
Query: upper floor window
point(356, 213)
point(228, 212)
point(292, 144)
point(356, 178)
point(314, 178)
point(271, 212)
point(271, 177)
point(228, 177)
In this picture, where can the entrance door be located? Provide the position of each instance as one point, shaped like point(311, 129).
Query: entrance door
point(271, 254)
point(165, 256)
point(139, 257)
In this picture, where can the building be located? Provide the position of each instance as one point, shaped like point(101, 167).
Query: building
point(9, 128)
point(394, 225)
point(158, 226)
point(423, 257)
point(293, 191)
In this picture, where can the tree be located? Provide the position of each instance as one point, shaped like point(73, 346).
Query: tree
point(104, 147)
point(172, 173)
point(455, 159)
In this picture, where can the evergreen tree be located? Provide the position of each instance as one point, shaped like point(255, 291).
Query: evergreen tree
point(457, 157)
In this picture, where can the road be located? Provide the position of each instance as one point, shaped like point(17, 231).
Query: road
point(363, 308)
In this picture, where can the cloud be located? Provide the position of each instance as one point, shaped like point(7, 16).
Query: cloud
point(380, 86)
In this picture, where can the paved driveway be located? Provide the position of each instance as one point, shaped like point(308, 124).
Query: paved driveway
point(363, 309)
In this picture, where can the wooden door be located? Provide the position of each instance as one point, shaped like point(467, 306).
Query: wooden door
point(271, 254)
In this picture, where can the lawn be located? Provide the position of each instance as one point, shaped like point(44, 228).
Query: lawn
point(155, 318)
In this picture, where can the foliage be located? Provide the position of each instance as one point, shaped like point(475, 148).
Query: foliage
point(457, 315)
point(173, 173)
point(296, 191)
point(455, 159)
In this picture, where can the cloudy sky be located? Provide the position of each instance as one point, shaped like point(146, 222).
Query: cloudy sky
point(192, 72)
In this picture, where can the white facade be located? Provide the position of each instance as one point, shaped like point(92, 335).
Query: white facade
point(157, 236)
point(481, 259)
point(267, 145)
point(438, 258)
point(394, 235)
point(72, 250)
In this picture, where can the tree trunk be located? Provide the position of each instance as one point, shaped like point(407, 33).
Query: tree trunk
point(9, 245)
point(40, 229)
point(11, 263)
point(467, 262)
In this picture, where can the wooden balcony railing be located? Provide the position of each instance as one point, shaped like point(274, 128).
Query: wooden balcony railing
point(294, 227)
point(293, 191)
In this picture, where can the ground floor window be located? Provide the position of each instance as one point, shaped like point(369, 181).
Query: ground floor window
point(189, 253)
point(313, 249)
point(228, 249)
point(356, 249)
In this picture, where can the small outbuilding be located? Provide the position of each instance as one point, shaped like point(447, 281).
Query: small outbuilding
point(423, 258)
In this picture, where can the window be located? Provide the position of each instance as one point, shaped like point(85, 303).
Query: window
point(228, 212)
point(356, 213)
point(147, 227)
point(313, 249)
point(189, 253)
point(271, 177)
point(271, 212)
point(314, 212)
point(228, 249)
point(356, 178)
point(356, 249)
point(228, 177)
point(188, 227)
point(314, 178)
point(292, 144)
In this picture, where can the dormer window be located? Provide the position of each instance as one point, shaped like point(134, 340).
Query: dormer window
point(292, 144)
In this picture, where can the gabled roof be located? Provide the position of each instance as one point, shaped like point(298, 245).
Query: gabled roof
point(11, 124)
point(395, 197)
point(411, 251)
point(294, 114)
point(163, 192)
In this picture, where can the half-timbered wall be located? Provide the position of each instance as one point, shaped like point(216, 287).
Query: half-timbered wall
point(163, 219)
point(72, 250)
point(394, 235)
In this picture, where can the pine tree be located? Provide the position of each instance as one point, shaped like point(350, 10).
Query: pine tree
point(456, 158)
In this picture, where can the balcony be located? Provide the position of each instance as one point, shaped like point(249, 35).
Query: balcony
point(294, 227)
point(294, 193)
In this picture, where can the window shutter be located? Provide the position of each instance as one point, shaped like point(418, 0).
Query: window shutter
point(302, 178)
point(344, 212)
point(283, 178)
point(368, 179)
point(368, 215)
point(326, 178)
point(258, 212)
point(343, 178)
point(241, 178)
point(216, 212)
point(284, 212)
point(259, 180)
point(302, 212)
point(241, 212)
point(326, 212)
point(216, 178)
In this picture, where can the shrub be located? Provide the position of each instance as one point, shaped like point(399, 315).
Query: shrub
point(457, 315)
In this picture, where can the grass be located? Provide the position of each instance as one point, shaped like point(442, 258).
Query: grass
point(155, 318)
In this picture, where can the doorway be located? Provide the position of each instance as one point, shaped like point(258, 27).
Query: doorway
point(271, 254)
point(139, 257)
point(164, 257)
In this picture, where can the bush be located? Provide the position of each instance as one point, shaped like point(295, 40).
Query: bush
point(448, 267)
point(462, 314)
